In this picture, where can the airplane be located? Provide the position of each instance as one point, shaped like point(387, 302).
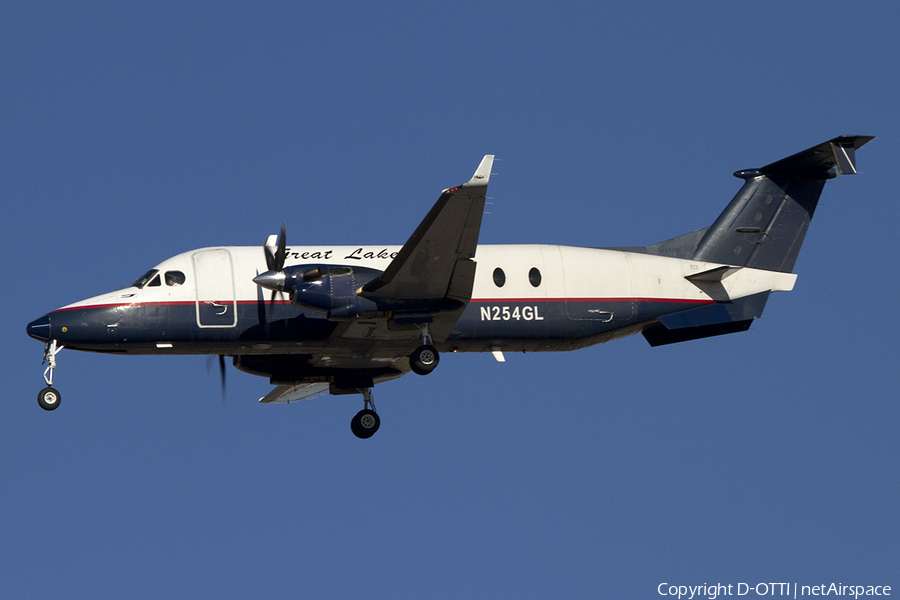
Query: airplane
point(341, 319)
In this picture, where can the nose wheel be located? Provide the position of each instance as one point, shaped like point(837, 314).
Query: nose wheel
point(366, 422)
point(49, 397)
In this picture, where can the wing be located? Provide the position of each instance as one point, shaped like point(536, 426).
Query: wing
point(292, 393)
point(436, 262)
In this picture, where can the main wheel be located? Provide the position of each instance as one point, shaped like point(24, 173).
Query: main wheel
point(424, 360)
point(365, 424)
point(49, 398)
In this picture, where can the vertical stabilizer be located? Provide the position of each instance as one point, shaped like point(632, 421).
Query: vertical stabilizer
point(764, 225)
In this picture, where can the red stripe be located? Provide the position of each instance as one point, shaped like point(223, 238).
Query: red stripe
point(674, 300)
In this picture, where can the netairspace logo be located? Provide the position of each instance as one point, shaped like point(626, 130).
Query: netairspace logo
point(713, 591)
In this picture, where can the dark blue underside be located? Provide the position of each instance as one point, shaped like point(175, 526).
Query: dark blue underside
point(133, 328)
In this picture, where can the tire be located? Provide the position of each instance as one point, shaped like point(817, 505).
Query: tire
point(365, 424)
point(424, 360)
point(49, 398)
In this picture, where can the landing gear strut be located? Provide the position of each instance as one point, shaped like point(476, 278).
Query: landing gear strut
point(425, 358)
point(49, 397)
point(366, 422)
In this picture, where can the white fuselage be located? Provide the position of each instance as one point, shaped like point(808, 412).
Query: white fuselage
point(546, 298)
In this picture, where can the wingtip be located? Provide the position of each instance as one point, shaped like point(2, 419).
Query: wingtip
point(483, 172)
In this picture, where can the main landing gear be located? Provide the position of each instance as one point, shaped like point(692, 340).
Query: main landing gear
point(425, 358)
point(366, 422)
point(49, 397)
point(423, 361)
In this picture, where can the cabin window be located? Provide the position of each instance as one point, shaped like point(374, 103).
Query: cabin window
point(499, 277)
point(174, 278)
point(534, 277)
point(144, 279)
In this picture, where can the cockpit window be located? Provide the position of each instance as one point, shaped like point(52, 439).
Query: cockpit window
point(141, 281)
point(154, 282)
point(174, 278)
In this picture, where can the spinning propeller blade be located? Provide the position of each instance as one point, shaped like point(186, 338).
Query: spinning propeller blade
point(209, 361)
point(281, 253)
point(222, 373)
point(275, 261)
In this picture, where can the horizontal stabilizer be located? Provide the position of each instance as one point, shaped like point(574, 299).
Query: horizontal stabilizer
point(818, 160)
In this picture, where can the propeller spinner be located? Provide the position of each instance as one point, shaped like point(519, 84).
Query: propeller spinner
point(274, 278)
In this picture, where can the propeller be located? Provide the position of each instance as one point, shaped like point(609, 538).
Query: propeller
point(222, 375)
point(221, 372)
point(273, 279)
point(275, 262)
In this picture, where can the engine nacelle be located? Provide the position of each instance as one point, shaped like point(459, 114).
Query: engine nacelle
point(334, 289)
point(330, 288)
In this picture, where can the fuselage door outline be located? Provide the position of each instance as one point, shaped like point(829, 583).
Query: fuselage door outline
point(216, 304)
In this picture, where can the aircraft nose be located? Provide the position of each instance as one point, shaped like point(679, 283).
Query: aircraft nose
point(39, 329)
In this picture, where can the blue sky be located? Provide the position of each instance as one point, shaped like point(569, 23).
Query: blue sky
point(134, 132)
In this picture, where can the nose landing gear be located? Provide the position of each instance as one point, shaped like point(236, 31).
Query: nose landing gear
point(49, 397)
point(366, 422)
